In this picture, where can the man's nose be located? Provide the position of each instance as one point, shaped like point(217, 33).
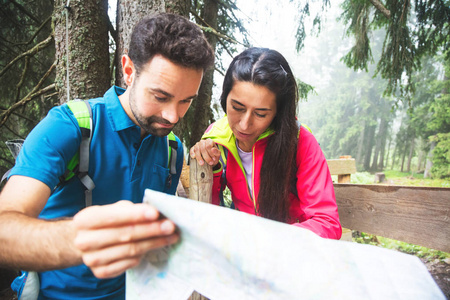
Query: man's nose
point(170, 114)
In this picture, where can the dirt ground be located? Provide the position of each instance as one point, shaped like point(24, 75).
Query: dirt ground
point(440, 271)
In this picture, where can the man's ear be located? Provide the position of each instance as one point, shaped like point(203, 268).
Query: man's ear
point(128, 70)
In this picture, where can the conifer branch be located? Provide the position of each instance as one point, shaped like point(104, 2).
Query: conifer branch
point(30, 52)
point(209, 29)
point(378, 5)
point(37, 91)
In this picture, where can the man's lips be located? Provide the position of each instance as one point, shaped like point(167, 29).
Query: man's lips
point(165, 125)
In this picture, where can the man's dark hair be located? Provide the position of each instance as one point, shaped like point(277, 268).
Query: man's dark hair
point(172, 36)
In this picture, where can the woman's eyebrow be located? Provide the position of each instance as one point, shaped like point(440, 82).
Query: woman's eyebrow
point(239, 103)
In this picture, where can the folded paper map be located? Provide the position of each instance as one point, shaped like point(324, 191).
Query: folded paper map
point(227, 254)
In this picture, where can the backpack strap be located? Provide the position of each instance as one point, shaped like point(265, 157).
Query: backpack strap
point(79, 164)
point(172, 147)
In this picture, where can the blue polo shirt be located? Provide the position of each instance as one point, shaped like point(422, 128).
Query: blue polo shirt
point(121, 166)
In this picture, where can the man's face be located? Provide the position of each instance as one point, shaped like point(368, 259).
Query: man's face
point(161, 94)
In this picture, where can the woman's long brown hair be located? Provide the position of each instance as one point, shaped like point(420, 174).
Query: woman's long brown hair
point(270, 69)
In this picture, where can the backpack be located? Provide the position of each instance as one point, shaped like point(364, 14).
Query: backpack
point(79, 163)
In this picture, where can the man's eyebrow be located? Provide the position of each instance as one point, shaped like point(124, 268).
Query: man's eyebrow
point(157, 90)
point(169, 95)
point(239, 103)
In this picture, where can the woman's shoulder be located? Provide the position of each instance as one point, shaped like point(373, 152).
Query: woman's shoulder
point(218, 130)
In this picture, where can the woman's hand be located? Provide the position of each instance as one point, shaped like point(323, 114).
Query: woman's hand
point(205, 151)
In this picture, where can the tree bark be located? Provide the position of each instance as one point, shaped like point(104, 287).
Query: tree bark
point(88, 49)
point(129, 12)
point(379, 6)
point(199, 116)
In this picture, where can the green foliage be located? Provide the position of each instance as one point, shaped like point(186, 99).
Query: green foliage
point(441, 156)
point(304, 15)
point(304, 89)
point(419, 251)
point(357, 14)
point(412, 32)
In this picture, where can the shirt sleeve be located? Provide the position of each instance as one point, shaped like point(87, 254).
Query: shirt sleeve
point(315, 189)
point(49, 147)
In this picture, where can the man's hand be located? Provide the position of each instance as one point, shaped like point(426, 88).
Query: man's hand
point(113, 238)
point(205, 151)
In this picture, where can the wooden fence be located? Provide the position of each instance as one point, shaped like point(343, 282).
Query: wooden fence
point(417, 215)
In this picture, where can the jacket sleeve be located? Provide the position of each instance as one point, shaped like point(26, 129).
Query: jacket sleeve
point(315, 189)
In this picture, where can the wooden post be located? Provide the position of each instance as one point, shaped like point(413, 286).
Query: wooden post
point(200, 189)
point(200, 182)
point(342, 167)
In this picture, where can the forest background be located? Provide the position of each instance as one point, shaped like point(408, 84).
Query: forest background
point(373, 76)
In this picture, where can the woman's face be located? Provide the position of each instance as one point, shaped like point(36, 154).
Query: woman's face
point(250, 111)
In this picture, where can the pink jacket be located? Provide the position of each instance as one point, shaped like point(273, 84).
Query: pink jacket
point(315, 206)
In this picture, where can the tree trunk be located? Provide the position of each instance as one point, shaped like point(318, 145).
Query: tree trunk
point(393, 157)
point(129, 12)
point(379, 147)
point(88, 49)
point(386, 158)
point(199, 116)
point(404, 156)
point(411, 151)
point(360, 145)
point(429, 163)
point(369, 147)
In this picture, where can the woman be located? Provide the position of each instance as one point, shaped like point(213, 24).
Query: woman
point(273, 167)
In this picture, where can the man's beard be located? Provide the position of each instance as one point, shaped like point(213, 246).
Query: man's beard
point(148, 124)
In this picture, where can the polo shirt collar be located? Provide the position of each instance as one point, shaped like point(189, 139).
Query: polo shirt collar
point(117, 116)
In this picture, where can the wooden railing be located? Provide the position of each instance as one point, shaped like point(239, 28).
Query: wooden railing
point(417, 215)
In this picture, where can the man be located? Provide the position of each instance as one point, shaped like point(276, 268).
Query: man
point(83, 253)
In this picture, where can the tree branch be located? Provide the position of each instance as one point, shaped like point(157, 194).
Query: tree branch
point(22, 9)
point(22, 78)
point(30, 52)
point(225, 47)
point(209, 29)
point(33, 94)
point(378, 5)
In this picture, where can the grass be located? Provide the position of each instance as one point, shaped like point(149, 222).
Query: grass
point(419, 251)
point(398, 178)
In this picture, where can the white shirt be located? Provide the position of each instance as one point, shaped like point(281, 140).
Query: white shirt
point(247, 162)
